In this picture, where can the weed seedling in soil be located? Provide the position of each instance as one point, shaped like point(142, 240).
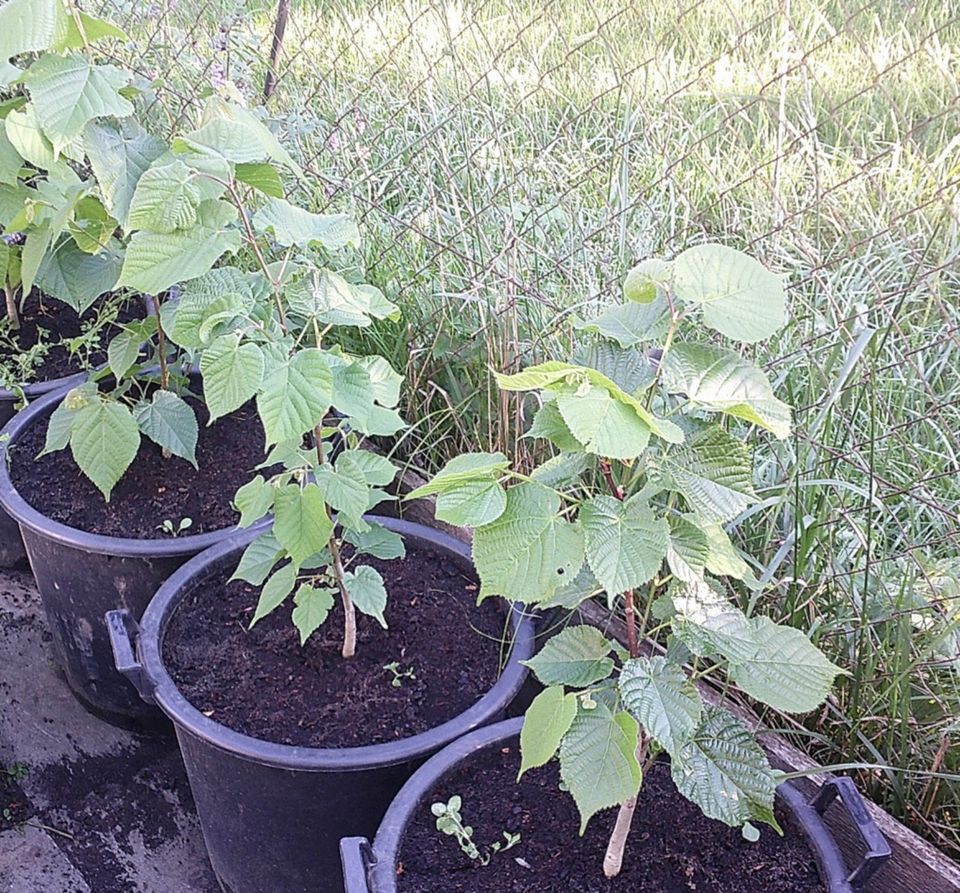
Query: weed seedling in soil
point(655, 433)
point(168, 527)
point(397, 674)
point(450, 822)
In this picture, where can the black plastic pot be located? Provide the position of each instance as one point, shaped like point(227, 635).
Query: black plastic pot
point(12, 551)
point(372, 868)
point(83, 575)
point(272, 815)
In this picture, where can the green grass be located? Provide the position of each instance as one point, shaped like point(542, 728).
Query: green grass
point(510, 159)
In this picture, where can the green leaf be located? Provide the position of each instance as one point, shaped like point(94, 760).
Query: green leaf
point(662, 699)
point(258, 559)
point(725, 772)
point(170, 422)
point(549, 424)
point(302, 525)
point(295, 396)
point(740, 297)
point(353, 394)
point(603, 425)
point(689, 549)
point(10, 161)
point(377, 541)
point(530, 549)
point(345, 488)
point(561, 470)
point(23, 132)
point(104, 440)
point(58, 429)
point(274, 592)
point(384, 380)
point(232, 374)
point(119, 155)
point(468, 488)
point(91, 227)
point(31, 25)
point(647, 279)
point(291, 226)
point(67, 92)
point(253, 500)
point(77, 278)
point(631, 324)
point(236, 134)
point(155, 261)
point(224, 292)
point(722, 558)
point(313, 605)
point(626, 544)
point(166, 199)
point(377, 470)
point(94, 30)
point(547, 720)
point(464, 469)
point(775, 664)
point(722, 381)
point(598, 760)
point(366, 591)
point(332, 299)
point(714, 473)
point(261, 176)
point(577, 656)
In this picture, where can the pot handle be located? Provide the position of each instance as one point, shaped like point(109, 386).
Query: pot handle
point(124, 631)
point(357, 856)
point(878, 850)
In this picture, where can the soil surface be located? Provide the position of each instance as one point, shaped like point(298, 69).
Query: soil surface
point(14, 809)
point(263, 683)
point(153, 489)
point(59, 321)
point(672, 847)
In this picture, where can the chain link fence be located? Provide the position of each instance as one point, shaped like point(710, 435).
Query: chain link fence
point(510, 159)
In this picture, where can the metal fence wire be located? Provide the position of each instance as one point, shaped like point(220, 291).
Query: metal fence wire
point(510, 159)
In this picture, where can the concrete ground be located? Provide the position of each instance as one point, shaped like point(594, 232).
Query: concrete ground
point(89, 808)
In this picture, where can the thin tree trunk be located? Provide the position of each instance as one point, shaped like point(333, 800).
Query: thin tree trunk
point(279, 28)
point(13, 312)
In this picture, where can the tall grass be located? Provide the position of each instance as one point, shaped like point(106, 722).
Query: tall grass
point(511, 158)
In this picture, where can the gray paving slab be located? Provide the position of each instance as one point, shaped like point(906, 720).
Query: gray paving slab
point(108, 810)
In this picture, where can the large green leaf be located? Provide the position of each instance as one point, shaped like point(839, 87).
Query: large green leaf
point(313, 605)
point(662, 699)
point(631, 324)
point(724, 771)
point(170, 422)
point(67, 92)
point(647, 280)
point(78, 278)
point(603, 425)
point(345, 488)
point(626, 543)
point(104, 440)
point(10, 162)
point(232, 373)
point(155, 261)
point(714, 473)
point(24, 133)
point(530, 549)
point(334, 300)
point(740, 297)
point(295, 396)
point(722, 558)
point(722, 381)
point(598, 760)
point(376, 541)
point(275, 591)
point(258, 559)
point(377, 470)
point(84, 30)
point(31, 25)
point(302, 525)
point(366, 590)
point(253, 500)
point(261, 176)
point(689, 549)
point(576, 656)
point(549, 424)
point(119, 154)
point(166, 199)
point(220, 295)
point(775, 664)
point(291, 226)
point(547, 720)
point(468, 488)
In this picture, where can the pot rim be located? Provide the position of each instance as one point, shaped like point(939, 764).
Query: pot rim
point(27, 516)
point(190, 720)
point(36, 389)
point(385, 848)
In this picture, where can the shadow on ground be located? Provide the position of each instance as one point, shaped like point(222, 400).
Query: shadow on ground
point(84, 807)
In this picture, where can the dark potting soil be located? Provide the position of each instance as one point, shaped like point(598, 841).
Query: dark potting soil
point(153, 489)
point(263, 683)
point(672, 847)
point(53, 320)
